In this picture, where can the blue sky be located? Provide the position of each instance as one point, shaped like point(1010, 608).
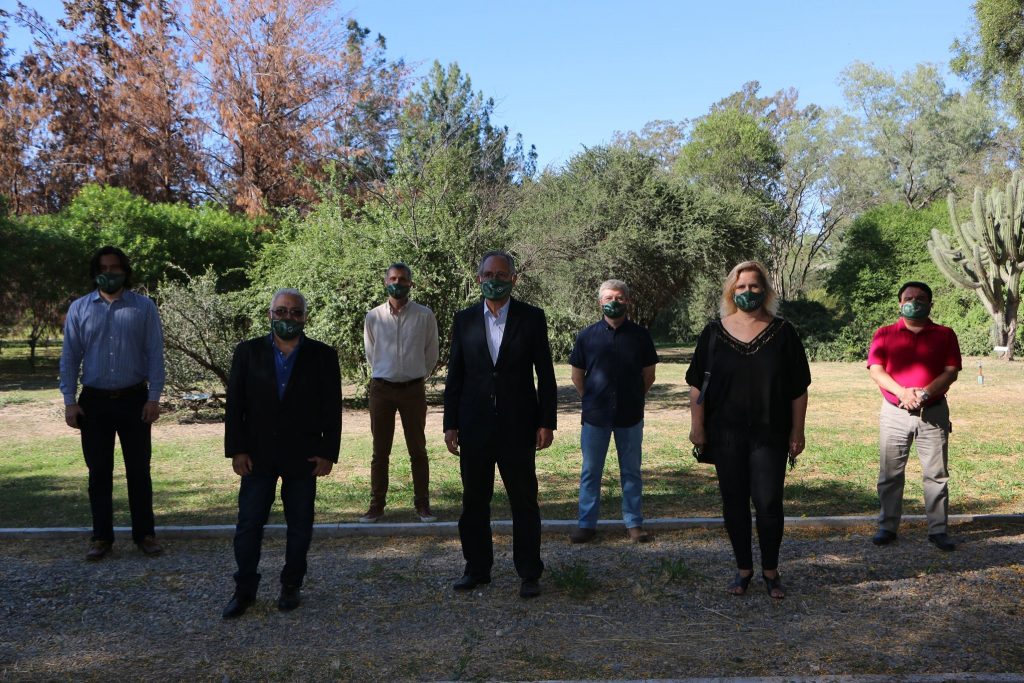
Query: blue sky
point(569, 73)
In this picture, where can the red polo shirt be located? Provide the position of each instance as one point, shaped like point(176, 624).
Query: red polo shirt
point(914, 359)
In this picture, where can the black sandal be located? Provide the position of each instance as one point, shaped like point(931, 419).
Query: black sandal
point(741, 582)
point(774, 584)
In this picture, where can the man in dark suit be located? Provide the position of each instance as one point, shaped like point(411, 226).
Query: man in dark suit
point(495, 415)
point(283, 420)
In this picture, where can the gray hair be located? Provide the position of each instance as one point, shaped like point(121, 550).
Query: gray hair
point(398, 265)
point(503, 254)
point(615, 285)
point(290, 291)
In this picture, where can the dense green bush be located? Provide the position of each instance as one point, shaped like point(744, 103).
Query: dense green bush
point(162, 240)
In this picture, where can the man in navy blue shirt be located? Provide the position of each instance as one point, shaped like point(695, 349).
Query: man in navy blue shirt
point(113, 336)
point(613, 364)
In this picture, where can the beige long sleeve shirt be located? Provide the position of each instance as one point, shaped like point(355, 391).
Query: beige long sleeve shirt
point(400, 345)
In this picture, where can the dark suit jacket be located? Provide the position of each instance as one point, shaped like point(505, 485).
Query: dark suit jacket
point(280, 434)
point(481, 398)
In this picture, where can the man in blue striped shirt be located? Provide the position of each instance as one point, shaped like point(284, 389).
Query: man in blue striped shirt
point(113, 336)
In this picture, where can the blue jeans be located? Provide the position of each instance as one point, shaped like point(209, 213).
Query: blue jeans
point(255, 497)
point(594, 443)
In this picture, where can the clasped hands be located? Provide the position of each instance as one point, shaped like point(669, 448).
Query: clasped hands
point(910, 398)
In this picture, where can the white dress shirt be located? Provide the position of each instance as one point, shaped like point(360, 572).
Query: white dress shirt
point(495, 328)
point(400, 345)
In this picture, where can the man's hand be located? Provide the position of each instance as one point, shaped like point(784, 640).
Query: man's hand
point(151, 412)
point(451, 440)
point(241, 464)
point(909, 398)
point(697, 436)
point(544, 438)
point(323, 466)
point(71, 415)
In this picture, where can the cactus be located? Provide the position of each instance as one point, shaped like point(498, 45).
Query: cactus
point(990, 257)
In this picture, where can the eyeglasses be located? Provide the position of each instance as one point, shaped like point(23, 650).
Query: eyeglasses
point(282, 312)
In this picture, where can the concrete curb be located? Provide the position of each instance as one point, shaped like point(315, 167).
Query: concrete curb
point(503, 526)
point(869, 678)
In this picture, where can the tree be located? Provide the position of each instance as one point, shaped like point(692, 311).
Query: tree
point(990, 258)
point(280, 80)
point(41, 265)
point(202, 326)
point(786, 160)
point(611, 213)
point(914, 134)
point(106, 104)
point(993, 56)
point(660, 139)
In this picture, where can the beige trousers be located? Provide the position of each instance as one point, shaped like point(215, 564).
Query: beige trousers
point(899, 429)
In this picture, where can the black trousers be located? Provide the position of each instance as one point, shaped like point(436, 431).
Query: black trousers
point(751, 470)
point(518, 473)
point(255, 497)
point(107, 414)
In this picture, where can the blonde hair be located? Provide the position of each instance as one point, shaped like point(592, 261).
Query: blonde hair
point(771, 299)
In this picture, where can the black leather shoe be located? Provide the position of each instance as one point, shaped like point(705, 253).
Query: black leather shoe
point(237, 605)
point(883, 537)
point(468, 582)
point(530, 588)
point(289, 599)
point(942, 542)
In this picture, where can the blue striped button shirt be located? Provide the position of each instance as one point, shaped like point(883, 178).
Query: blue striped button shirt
point(116, 344)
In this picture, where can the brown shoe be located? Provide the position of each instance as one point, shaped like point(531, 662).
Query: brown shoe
point(582, 535)
point(98, 550)
point(424, 513)
point(373, 514)
point(149, 546)
point(638, 535)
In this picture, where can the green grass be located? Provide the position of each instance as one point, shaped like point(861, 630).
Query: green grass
point(574, 580)
point(43, 475)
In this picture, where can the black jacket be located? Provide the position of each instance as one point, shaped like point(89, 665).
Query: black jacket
point(280, 434)
point(482, 398)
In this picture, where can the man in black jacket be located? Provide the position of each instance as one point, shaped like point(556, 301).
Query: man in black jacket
point(494, 415)
point(283, 420)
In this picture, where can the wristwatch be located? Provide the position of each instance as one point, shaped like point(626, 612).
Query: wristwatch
point(925, 396)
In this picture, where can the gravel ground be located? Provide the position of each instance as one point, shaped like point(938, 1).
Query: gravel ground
point(381, 609)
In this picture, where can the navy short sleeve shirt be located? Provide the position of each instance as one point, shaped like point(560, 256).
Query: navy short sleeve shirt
point(613, 360)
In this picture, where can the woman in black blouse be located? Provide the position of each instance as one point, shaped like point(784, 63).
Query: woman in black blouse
point(751, 416)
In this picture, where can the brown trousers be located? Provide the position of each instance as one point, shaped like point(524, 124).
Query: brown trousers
point(410, 402)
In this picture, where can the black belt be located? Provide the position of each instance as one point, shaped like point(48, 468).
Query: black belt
point(398, 385)
point(115, 393)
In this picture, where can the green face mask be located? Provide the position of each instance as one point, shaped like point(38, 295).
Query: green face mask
point(287, 329)
point(110, 282)
point(614, 309)
point(397, 291)
point(748, 301)
point(915, 310)
point(496, 290)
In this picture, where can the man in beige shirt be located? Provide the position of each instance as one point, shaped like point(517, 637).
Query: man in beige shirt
point(400, 337)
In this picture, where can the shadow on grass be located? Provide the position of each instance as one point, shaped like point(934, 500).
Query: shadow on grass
point(17, 375)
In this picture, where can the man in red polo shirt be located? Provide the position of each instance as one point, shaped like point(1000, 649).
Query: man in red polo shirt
point(914, 361)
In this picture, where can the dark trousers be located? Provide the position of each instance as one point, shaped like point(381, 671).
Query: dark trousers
point(518, 472)
point(255, 497)
point(751, 470)
point(107, 414)
point(409, 401)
